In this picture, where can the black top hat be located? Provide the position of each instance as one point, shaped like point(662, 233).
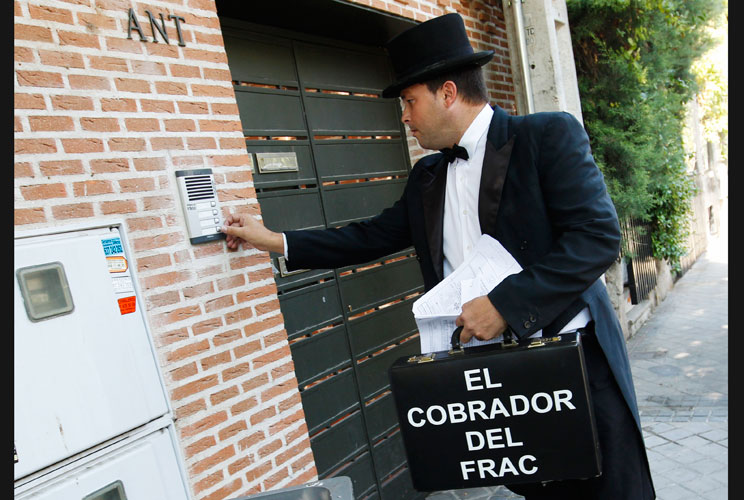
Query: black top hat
point(430, 49)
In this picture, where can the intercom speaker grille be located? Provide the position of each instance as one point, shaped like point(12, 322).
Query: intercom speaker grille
point(199, 187)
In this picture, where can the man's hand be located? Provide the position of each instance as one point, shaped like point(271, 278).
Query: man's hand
point(246, 230)
point(480, 319)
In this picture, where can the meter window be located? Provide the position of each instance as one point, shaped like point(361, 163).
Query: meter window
point(114, 491)
point(45, 291)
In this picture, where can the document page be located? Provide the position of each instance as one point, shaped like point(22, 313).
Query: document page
point(436, 311)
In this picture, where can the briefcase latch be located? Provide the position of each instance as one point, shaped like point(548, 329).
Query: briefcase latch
point(422, 358)
point(543, 341)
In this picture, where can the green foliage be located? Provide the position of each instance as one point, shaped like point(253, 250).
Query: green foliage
point(634, 63)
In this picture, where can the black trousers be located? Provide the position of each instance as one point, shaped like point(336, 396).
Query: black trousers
point(625, 474)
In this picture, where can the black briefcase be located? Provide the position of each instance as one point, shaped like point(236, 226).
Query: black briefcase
point(505, 413)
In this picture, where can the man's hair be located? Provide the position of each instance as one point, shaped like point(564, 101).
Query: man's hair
point(471, 85)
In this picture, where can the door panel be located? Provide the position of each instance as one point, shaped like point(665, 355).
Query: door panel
point(345, 159)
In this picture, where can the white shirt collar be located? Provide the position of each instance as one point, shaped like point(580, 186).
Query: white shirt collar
point(475, 131)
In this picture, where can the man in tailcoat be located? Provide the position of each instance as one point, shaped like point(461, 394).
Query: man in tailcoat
point(531, 183)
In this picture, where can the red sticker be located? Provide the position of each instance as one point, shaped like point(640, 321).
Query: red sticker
point(127, 305)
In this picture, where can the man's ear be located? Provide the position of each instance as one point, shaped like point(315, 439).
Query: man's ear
point(449, 92)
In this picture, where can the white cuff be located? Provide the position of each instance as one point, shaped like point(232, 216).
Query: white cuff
point(286, 249)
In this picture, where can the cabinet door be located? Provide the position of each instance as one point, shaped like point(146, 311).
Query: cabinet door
point(85, 370)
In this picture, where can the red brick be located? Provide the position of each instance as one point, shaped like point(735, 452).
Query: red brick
point(160, 143)
point(86, 82)
point(243, 406)
point(236, 371)
point(204, 424)
point(262, 415)
point(39, 79)
point(226, 491)
point(209, 481)
point(100, 124)
point(185, 107)
point(133, 46)
point(215, 360)
point(212, 90)
point(148, 68)
point(149, 164)
point(240, 464)
point(126, 144)
point(220, 126)
point(204, 55)
point(75, 211)
point(278, 390)
point(82, 145)
point(224, 395)
point(108, 63)
point(221, 108)
point(171, 337)
point(171, 88)
point(48, 13)
point(152, 262)
point(247, 348)
point(51, 123)
point(199, 446)
point(180, 125)
point(23, 216)
point(29, 101)
point(109, 165)
point(22, 169)
point(201, 143)
point(44, 191)
point(195, 387)
point(78, 39)
point(132, 85)
point(23, 54)
point(160, 49)
point(32, 33)
point(118, 207)
point(272, 356)
point(157, 202)
point(183, 71)
point(63, 59)
point(92, 188)
point(183, 372)
point(164, 279)
point(137, 185)
point(142, 125)
point(251, 441)
point(65, 102)
point(34, 146)
point(95, 21)
point(226, 337)
point(163, 299)
point(267, 307)
point(232, 430)
point(155, 106)
point(222, 75)
point(116, 104)
point(234, 143)
point(190, 408)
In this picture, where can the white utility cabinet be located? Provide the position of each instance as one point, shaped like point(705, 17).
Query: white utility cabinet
point(85, 370)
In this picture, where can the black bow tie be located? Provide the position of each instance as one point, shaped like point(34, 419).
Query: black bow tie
point(454, 152)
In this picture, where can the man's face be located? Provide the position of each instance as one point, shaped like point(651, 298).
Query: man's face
point(426, 116)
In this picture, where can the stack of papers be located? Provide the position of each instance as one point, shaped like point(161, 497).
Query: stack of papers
point(436, 311)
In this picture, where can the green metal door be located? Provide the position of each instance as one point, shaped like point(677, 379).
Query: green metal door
point(327, 150)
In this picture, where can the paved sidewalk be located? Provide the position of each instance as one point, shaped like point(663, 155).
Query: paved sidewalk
point(679, 360)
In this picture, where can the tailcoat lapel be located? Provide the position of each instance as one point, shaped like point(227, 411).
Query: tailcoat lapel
point(493, 175)
point(432, 192)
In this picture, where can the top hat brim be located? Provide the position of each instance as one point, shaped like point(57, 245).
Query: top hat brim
point(437, 69)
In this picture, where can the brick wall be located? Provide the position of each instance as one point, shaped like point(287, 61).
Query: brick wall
point(101, 124)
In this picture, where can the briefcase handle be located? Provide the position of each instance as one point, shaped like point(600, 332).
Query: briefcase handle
point(456, 346)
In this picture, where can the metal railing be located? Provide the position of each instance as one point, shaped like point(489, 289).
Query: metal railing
point(642, 271)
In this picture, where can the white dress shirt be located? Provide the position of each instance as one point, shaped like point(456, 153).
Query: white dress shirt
point(461, 228)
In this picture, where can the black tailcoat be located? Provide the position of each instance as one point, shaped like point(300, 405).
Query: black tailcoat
point(542, 196)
